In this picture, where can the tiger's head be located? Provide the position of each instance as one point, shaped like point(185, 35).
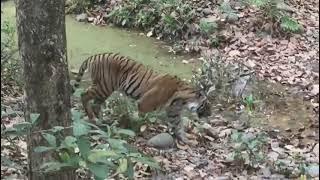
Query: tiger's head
point(199, 104)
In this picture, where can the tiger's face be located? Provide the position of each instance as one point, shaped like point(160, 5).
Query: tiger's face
point(200, 105)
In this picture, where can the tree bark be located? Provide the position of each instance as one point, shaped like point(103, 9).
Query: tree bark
point(42, 46)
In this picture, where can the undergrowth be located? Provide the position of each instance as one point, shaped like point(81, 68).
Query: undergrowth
point(278, 13)
point(80, 6)
point(103, 151)
point(180, 22)
point(11, 66)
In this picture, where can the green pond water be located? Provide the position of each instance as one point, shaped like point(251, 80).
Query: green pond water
point(84, 39)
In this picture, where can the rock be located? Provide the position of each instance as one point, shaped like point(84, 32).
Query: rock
point(250, 63)
point(91, 19)
point(277, 176)
point(232, 18)
point(210, 19)
point(313, 170)
point(81, 17)
point(222, 178)
point(314, 90)
point(207, 11)
point(266, 172)
point(316, 150)
point(315, 67)
point(239, 86)
point(161, 141)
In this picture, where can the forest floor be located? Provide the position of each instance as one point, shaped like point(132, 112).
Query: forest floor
point(227, 149)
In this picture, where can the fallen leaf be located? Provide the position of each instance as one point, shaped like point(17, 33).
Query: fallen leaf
point(314, 90)
point(250, 63)
point(185, 62)
point(150, 33)
point(233, 53)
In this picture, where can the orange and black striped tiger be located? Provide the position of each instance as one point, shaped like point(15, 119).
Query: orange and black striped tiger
point(112, 72)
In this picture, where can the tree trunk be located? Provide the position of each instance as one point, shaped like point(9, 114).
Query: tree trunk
point(42, 45)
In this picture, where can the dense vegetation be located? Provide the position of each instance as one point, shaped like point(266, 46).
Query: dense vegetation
point(230, 148)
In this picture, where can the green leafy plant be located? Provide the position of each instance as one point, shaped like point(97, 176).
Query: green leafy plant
point(277, 11)
point(122, 16)
point(12, 135)
point(124, 111)
point(18, 129)
point(248, 149)
point(170, 17)
point(228, 12)
point(146, 18)
point(249, 102)
point(214, 77)
point(289, 24)
point(207, 27)
point(100, 150)
point(114, 155)
point(79, 6)
point(176, 16)
point(10, 65)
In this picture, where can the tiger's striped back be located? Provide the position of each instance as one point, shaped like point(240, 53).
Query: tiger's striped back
point(111, 72)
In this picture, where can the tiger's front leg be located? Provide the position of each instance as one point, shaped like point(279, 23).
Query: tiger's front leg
point(98, 102)
point(88, 95)
point(174, 115)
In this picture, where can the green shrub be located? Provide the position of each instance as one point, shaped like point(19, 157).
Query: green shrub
point(176, 16)
point(79, 6)
point(123, 110)
point(11, 66)
point(146, 18)
point(228, 12)
point(249, 149)
point(207, 27)
point(277, 11)
point(122, 16)
point(77, 151)
point(289, 24)
point(99, 150)
point(170, 17)
point(214, 77)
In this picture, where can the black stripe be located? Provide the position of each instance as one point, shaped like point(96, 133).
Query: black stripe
point(132, 83)
point(123, 79)
point(126, 72)
point(106, 67)
point(124, 66)
point(151, 72)
point(139, 84)
point(136, 71)
point(102, 78)
point(94, 67)
point(110, 73)
point(114, 55)
point(121, 58)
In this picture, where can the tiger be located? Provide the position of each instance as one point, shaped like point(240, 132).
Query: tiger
point(152, 90)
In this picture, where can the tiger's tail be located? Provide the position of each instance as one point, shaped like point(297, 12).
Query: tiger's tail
point(81, 72)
